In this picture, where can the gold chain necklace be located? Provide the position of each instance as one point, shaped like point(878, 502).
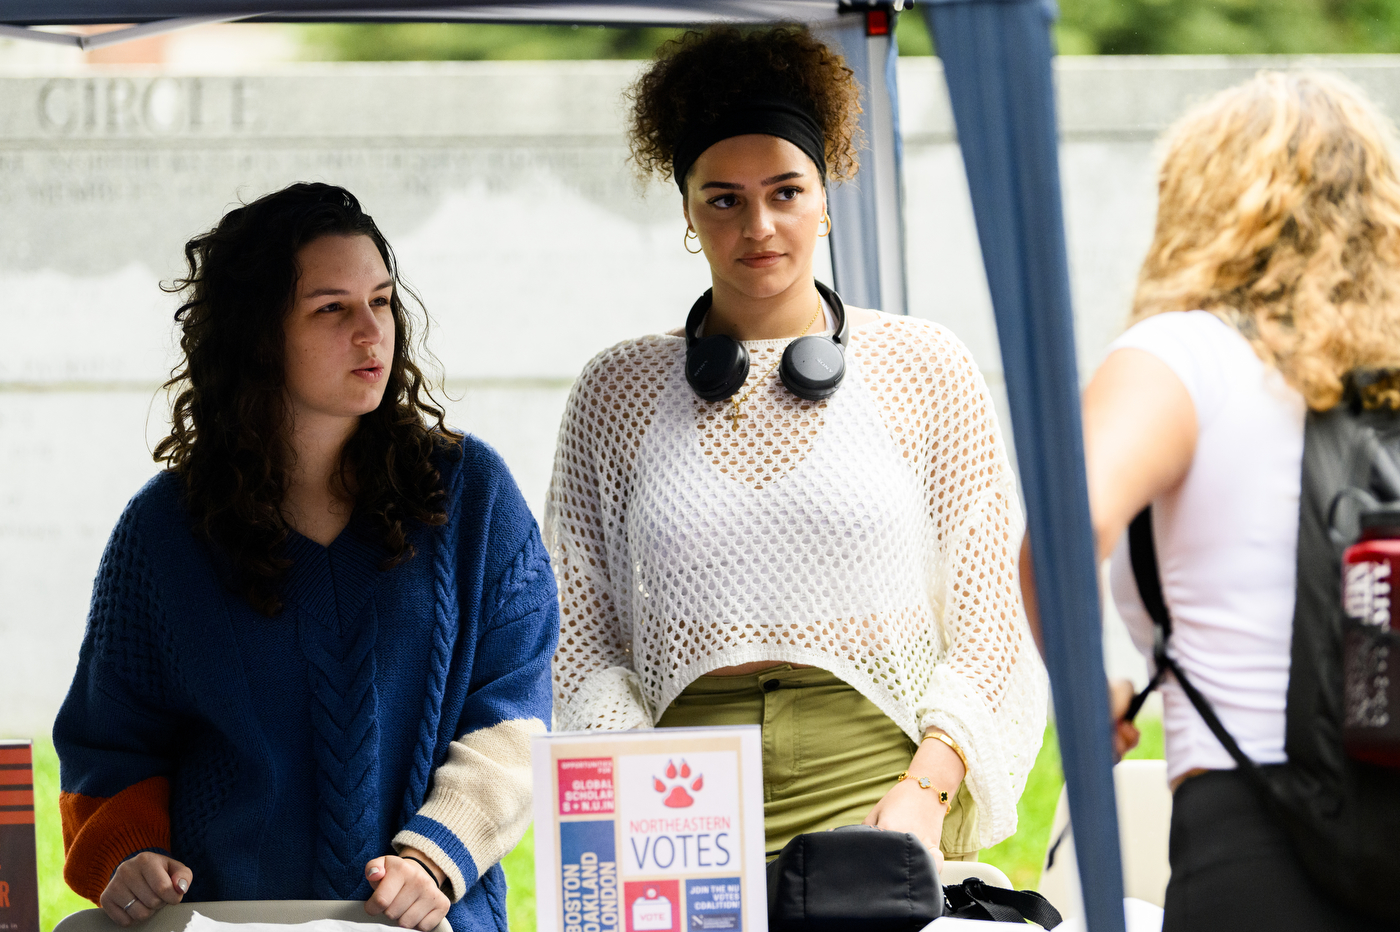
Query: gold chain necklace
point(739, 402)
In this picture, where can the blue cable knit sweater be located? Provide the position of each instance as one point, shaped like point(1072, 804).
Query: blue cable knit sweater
point(283, 753)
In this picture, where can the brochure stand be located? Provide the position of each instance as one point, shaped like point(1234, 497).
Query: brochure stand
point(650, 831)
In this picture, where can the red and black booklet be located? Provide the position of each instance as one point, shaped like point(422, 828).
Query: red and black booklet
point(19, 876)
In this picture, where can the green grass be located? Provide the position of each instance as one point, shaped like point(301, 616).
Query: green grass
point(1020, 856)
point(520, 879)
point(55, 899)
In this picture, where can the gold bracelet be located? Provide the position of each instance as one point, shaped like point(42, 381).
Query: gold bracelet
point(926, 784)
point(940, 736)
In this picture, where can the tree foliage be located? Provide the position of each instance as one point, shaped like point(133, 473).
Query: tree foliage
point(1086, 27)
point(1227, 27)
point(474, 42)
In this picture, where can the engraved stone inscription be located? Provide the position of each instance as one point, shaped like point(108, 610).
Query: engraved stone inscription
point(161, 105)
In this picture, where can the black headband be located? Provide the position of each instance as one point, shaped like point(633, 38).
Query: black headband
point(769, 116)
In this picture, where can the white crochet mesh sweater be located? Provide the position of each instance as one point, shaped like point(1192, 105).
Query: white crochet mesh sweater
point(872, 534)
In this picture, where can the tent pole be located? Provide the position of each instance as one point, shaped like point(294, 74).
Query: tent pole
point(115, 36)
point(30, 34)
point(158, 28)
point(867, 236)
point(997, 62)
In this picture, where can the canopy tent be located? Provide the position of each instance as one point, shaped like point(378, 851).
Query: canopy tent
point(996, 56)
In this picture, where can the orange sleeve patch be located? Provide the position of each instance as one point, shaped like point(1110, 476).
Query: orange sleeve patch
point(99, 833)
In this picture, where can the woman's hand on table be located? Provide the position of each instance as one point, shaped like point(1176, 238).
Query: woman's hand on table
point(908, 807)
point(142, 884)
point(405, 892)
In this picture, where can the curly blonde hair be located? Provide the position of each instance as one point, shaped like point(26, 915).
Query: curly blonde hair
point(1279, 211)
point(700, 74)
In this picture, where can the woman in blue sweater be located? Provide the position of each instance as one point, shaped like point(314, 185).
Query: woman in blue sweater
point(319, 641)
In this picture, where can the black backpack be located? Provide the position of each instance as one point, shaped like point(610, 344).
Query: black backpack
point(1343, 815)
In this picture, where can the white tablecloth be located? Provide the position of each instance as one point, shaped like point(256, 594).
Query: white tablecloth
point(1141, 916)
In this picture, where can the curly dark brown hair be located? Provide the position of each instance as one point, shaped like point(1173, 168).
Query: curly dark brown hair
point(700, 74)
point(226, 438)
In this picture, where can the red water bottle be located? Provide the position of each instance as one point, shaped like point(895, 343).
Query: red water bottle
point(1370, 689)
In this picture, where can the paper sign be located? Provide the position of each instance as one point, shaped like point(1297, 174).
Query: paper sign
point(653, 906)
point(586, 785)
point(714, 904)
point(650, 831)
point(19, 880)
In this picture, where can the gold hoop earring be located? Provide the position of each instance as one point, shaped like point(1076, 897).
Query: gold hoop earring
point(826, 218)
point(689, 234)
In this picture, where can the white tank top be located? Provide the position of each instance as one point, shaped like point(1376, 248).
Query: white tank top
point(1226, 543)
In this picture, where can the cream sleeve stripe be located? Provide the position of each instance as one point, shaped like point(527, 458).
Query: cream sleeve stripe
point(479, 802)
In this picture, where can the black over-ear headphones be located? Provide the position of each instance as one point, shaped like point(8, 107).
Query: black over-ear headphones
point(812, 367)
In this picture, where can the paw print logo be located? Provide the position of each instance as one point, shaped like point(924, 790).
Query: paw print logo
point(678, 796)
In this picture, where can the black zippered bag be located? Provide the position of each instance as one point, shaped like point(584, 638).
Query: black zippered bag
point(861, 879)
point(1342, 815)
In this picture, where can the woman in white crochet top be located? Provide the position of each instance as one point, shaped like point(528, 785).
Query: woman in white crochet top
point(839, 567)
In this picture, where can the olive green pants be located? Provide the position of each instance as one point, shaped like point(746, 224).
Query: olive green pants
point(829, 754)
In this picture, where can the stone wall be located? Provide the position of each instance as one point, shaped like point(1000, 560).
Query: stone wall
point(504, 189)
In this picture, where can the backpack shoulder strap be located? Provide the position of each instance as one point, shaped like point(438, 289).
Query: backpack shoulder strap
point(1142, 551)
point(1142, 554)
point(973, 899)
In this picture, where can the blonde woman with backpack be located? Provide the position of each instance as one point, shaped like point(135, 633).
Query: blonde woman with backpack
point(1273, 276)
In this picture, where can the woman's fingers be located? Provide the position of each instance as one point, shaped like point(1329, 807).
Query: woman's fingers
point(414, 903)
point(374, 871)
point(405, 893)
point(385, 891)
point(126, 900)
point(427, 912)
point(1125, 738)
point(430, 921)
point(181, 876)
point(413, 914)
point(113, 899)
point(139, 911)
point(143, 884)
point(1125, 734)
point(417, 911)
point(158, 886)
point(1120, 696)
